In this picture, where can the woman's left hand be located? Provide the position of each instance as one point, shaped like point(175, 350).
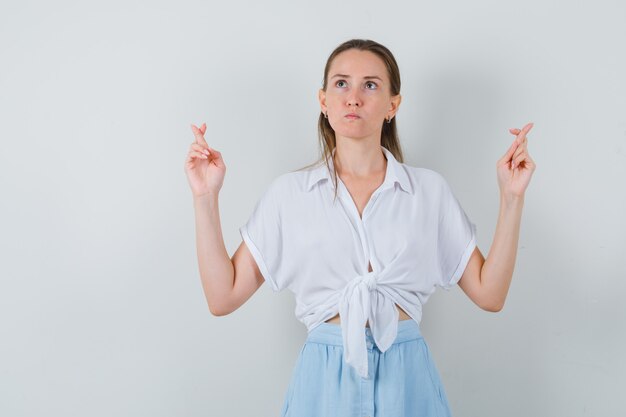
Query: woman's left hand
point(516, 166)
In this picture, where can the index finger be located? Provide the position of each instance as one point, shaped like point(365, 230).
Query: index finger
point(198, 134)
point(520, 135)
point(526, 128)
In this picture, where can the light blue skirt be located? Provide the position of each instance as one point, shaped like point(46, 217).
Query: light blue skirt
point(403, 381)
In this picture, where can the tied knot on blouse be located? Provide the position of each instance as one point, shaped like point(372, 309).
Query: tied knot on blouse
point(370, 280)
point(363, 299)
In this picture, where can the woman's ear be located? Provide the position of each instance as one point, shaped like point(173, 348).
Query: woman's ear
point(395, 104)
point(321, 96)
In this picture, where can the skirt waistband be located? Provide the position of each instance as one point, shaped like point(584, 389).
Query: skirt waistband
point(330, 333)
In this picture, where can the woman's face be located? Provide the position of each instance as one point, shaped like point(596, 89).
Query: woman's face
point(358, 84)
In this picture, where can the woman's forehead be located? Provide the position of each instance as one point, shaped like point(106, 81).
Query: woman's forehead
point(358, 63)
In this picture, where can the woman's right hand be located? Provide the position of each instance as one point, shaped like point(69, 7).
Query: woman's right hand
point(204, 166)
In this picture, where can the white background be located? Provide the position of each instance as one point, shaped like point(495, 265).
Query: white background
point(101, 308)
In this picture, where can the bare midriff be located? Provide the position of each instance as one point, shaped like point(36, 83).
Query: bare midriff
point(402, 316)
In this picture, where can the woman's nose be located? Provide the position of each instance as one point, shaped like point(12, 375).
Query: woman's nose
point(353, 99)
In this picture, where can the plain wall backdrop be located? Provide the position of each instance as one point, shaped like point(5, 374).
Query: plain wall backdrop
point(101, 307)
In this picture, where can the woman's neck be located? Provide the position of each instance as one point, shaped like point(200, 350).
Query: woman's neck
point(358, 160)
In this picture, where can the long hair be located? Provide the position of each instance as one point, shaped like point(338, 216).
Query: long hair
point(389, 134)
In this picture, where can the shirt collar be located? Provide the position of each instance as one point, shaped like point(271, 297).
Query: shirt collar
point(395, 173)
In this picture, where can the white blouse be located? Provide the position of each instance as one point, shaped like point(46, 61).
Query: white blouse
point(415, 235)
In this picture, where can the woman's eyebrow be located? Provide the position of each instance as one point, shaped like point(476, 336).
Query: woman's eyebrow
point(347, 76)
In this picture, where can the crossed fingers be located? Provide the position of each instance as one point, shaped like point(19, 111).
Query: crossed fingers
point(199, 147)
point(521, 152)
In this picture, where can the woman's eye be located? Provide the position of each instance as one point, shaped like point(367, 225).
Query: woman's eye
point(372, 84)
point(340, 82)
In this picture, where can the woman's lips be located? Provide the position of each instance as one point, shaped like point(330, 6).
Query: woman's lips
point(352, 116)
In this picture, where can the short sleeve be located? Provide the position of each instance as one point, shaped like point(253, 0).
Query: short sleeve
point(263, 234)
point(456, 238)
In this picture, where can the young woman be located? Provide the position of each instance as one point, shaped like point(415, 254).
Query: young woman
point(362, 240)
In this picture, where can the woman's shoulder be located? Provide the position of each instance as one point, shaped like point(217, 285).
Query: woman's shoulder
point(302, 179)
point(424, 177)
point(297, 181)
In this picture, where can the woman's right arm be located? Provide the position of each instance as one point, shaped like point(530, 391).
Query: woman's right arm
point(227, 283)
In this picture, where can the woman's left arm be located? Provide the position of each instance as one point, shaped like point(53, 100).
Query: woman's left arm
point(486, 281)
